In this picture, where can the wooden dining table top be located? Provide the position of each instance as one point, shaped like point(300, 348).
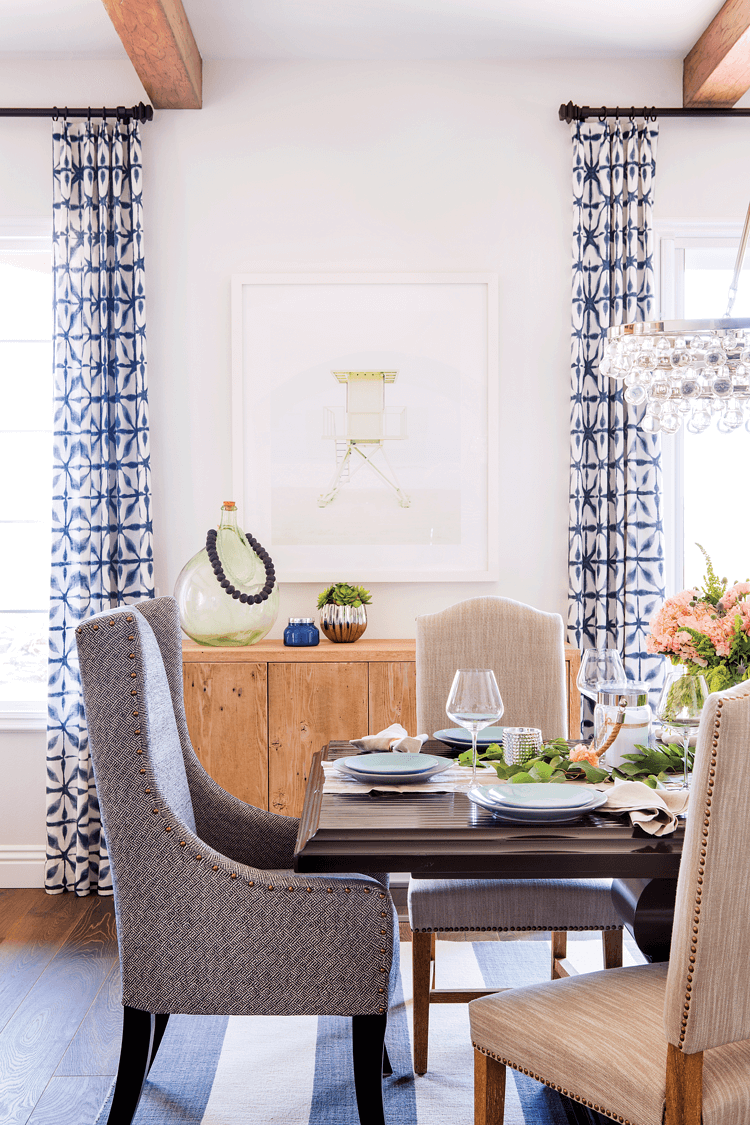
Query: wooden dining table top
point(445, 835)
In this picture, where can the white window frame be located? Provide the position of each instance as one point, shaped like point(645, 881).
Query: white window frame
point(19, 235)
point(672, 240)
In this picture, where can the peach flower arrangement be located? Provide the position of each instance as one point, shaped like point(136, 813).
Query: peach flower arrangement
point(707, 629)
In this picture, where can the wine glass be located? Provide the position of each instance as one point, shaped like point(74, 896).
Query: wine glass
point(680, 705)
point(474, 703)
point(599, 665)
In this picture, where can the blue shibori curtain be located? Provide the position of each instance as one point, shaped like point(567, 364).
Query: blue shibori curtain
point(101, 515)
point(616, 550)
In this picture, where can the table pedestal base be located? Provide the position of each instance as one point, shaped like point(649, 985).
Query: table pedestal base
point(646, 907)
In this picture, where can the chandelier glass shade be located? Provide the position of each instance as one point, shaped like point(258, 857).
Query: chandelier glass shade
point(690, 371)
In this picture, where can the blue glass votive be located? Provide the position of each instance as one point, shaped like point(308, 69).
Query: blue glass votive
point(301, 631)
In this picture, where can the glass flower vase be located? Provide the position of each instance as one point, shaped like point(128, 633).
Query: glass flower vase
point(227, 593)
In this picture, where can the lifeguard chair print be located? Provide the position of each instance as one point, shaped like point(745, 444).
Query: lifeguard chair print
point(359, 432)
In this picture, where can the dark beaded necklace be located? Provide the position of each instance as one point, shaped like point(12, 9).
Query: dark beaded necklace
point(224, 582)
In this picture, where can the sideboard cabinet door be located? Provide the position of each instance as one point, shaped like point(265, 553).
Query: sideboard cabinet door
point(308, 706)
point(393, 695)
point(225, 705)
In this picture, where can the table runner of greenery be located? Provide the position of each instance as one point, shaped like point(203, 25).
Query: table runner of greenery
point(558, 762)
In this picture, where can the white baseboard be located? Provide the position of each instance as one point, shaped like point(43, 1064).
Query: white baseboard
point(22, 865)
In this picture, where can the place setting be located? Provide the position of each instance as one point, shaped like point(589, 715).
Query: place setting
point(392, 761)
point(398, 773)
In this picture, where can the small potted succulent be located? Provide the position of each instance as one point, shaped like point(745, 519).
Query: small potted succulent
point(343, 616)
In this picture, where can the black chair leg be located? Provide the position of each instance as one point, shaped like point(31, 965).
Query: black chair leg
point(135, 1054)
point(368, 1035)
point(160, 1026)
point(387, 1068)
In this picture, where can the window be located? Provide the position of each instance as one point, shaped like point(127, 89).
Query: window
point(705, 475)
point(25, 474)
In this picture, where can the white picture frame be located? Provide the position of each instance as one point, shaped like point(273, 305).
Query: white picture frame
point(418, 501)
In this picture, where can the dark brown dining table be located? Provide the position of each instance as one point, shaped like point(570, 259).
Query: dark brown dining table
point(446, 836)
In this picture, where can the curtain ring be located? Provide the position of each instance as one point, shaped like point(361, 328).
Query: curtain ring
point(89, 115)
point(104, 114)
point(603, 115)
point(55, 113)
point(632, 114)
point(617, 112)
point(65, 114)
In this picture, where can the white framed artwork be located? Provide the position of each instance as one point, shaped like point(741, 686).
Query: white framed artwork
point(365, 424)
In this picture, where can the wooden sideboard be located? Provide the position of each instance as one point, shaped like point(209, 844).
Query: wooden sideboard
point(257, 715)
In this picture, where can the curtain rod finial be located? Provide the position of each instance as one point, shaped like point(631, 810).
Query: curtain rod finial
point(569, 112)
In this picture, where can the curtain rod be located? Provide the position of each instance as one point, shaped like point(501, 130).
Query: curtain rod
point(139, 112)
point(572, 112)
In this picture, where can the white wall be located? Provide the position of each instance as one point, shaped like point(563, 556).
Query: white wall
point(393, 166)
point(455, 166)
point(22, 808)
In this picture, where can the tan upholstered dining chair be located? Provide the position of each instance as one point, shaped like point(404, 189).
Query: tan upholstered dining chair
point(653, 1044)
point(525, 649)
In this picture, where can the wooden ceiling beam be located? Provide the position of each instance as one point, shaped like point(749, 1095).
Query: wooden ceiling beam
point(159, 41)
point(716, 71)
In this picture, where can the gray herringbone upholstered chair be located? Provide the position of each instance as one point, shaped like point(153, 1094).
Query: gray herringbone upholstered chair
point(211, 918)
point(653, 1043)
point(524, 647)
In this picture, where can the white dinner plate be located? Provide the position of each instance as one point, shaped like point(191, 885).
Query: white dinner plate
point(458, 736)
point(478, 795)
point(388, 762)
point(397, 775)
point(528, 795)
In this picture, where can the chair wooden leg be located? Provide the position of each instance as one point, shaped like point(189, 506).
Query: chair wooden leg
point(559, 951)
point(420, 961)
point(489, 1090)
point(612, 948)
point(135, 1055)
point(684, 1087)
point(368, 1035)
point(160, 1026)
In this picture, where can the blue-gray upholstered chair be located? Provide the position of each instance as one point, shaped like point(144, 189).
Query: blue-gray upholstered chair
point(661, 1044)
point(211, 918)
point(525, 649)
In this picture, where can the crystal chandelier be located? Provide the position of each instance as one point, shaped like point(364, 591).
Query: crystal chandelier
point(685, 370)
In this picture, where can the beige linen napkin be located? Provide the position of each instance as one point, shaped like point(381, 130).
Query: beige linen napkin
point(447, 781)
point(656, 810)
point(393, 738)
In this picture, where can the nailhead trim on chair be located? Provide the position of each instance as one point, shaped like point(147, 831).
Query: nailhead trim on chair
point(508, 929)
point(554, 1086)
point(701, 873)
point(702, 867)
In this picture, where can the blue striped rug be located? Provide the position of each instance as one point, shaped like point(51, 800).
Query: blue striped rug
point(269, 1070)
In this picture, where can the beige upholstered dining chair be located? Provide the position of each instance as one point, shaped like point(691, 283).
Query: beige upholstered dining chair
point(653, 1043)
point(525, 649)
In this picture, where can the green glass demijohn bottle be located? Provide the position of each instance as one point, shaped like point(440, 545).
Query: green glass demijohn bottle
point(228, 593)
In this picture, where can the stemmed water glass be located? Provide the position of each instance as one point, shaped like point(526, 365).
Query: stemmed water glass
point(679, 707)
point(599, 665)
point(474, 703)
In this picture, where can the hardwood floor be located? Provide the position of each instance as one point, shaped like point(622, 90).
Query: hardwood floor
point(60, 1016)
